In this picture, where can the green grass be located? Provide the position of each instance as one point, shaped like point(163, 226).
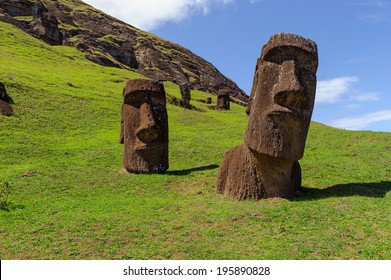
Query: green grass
point(61, 153)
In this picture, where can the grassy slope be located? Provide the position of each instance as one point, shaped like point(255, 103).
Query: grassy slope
point(76, 205)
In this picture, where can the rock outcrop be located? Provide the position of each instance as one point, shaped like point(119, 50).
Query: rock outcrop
point(34, 18)
point(110, 42)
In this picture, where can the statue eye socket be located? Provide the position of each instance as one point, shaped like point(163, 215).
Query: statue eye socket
point(302, 58)
point(134, 100)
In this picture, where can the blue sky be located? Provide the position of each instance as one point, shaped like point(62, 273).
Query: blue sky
point(353, 37)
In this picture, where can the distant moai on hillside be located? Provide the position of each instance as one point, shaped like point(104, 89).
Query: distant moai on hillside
point(144, 127)
point(280, 110)
point(223, 100)
point(5, 101)
point(186, 97)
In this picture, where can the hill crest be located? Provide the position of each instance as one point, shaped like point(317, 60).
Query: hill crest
point(111, 42)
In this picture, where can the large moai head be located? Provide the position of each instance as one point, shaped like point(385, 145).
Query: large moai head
point(282, 97)
point(144, 127)
point(223, 100)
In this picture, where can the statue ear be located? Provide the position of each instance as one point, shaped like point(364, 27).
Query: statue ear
point(121, 134)
point(248, 108)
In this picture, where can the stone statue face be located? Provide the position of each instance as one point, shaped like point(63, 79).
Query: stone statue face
point(223, 100)
point(282, 97)
point(145, 127)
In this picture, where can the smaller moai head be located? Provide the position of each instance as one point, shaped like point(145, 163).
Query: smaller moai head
point(185, 93)
point(282, 97)
point(208, 100)
point(144, 127)
point(223, 100)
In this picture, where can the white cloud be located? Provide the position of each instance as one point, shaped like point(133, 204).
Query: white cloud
point(341, 89)
point(375, 18)
point(368, 96)
point(331, 91)
point(362, 122)
point(373, 3)
point(353, 106)
point(149, 14)
point(364, 59)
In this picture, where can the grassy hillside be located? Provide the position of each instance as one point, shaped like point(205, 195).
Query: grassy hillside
point(60, 152)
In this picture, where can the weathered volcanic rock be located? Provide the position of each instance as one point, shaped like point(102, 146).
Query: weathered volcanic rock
point(42, 25)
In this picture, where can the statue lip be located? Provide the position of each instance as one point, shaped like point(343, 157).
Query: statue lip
point(148, 146)
point(285, 111)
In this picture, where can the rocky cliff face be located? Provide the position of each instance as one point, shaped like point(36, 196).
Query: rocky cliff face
point(110, 42)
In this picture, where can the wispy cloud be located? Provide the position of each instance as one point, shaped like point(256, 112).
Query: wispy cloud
point(353, 106)
point(362, 122)
point(368, 96)
point(372, 3)
point(342, 89)
point(359, 60)
point(375, 18)
point(151, 14)
point(331, 91)
point(373, 11)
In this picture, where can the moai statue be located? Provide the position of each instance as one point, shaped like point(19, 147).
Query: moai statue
point(208, 100)
point(185, 92)
point(5, 101)
point(144, 127)
point(223, 102)
point(280, 109)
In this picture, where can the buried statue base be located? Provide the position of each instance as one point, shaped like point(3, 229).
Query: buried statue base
point(245, 174)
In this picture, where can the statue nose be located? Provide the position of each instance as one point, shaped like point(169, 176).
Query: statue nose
point(289, 92)
point(148, 129)
point(289, 80)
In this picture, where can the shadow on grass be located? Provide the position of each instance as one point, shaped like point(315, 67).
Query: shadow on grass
point(12, 206)
point(378, 189)
point(190, 170)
